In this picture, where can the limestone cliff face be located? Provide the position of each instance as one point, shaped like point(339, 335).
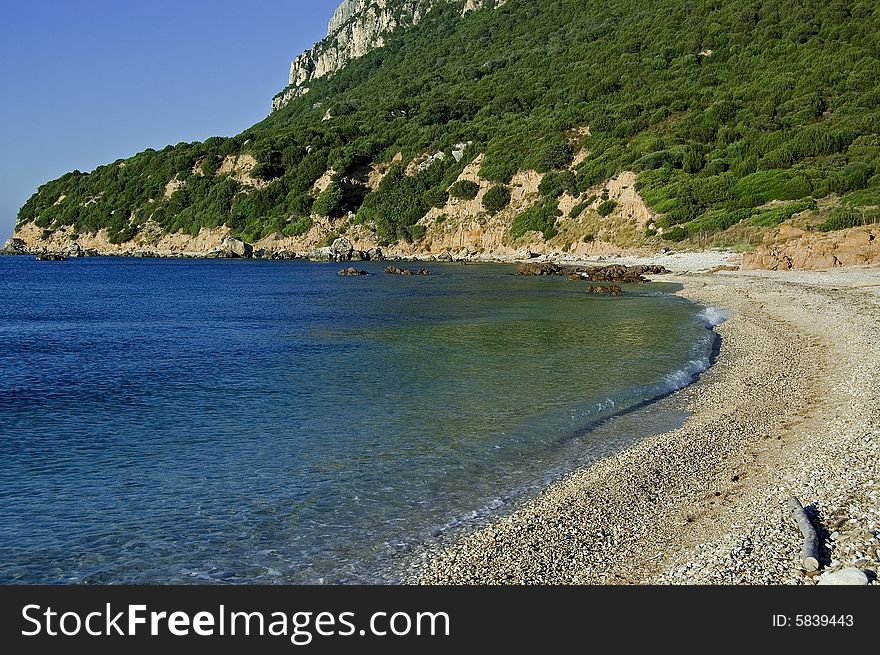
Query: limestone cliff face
point(356, 28)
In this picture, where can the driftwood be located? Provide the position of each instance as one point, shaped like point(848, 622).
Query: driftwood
point(810, 551)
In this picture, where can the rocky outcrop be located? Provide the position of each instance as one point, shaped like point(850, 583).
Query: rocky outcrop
point(795, 248)
point(14, 246)
point(237, 247)
point(356, 28)
point(612, 273)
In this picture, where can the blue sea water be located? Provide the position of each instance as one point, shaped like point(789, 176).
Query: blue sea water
point(196, 421)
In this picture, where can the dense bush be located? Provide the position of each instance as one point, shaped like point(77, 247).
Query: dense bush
point(842, 218)
point(605, 208)
point(555, 183)
point(539, 218)
point(496, 199)
point(465, 189)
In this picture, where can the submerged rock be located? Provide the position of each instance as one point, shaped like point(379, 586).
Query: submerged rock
point(605, 290)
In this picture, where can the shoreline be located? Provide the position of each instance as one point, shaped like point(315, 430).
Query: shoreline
point(789, 408)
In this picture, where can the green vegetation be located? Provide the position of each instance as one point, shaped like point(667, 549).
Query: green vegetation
point(329, 202)
point(539, 218)
point(465, 189)
point(555, 183)
point(842, 218)
point(496, 199)
point(606, 207)
point(787, 107)
point(578, 209)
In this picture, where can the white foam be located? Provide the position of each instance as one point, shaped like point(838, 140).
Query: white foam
point(713, 316)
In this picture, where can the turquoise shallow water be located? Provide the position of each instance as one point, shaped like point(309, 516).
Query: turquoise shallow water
point(171, 421)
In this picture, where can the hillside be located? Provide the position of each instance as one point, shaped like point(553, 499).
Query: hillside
point(554, 125)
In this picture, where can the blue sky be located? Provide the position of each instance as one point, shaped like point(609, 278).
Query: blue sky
point(85, 82)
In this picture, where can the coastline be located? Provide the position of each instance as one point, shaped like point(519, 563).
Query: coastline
point(789, 408)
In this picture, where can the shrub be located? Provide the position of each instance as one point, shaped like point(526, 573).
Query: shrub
point(677, 233)
point(842, 218)
point(578, 209)
point(606, 207)
point(555, 153)
point(538, 218)
point(465, 189)
point(555, 183)
point(496, 199)
point(857, 175)
point(297, 227)
point(436, 197)
point(797, 187)
point(416, 232)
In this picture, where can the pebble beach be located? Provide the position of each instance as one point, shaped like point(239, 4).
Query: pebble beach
point(790, 408)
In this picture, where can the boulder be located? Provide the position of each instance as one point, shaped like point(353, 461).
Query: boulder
point(237, 247)
point(75, 250)
point(445, 256)
point(321, 254)
point(90, 252)
point(849, 576)
point(375, 254)
point(358, 256)
point(341, 250)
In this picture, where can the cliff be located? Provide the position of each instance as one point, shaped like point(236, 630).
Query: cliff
point(356, 28)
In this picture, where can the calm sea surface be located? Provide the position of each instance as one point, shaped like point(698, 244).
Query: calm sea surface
point(171, 421)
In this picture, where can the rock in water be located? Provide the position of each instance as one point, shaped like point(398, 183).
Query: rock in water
point(394, 270)
point(849, 576)
point(351, 272)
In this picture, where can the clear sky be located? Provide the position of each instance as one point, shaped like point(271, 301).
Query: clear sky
point(85, 82)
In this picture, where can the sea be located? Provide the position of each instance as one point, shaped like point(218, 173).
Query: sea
point(270, 422)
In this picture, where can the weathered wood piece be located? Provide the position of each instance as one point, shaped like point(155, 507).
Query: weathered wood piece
point(810, 550)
